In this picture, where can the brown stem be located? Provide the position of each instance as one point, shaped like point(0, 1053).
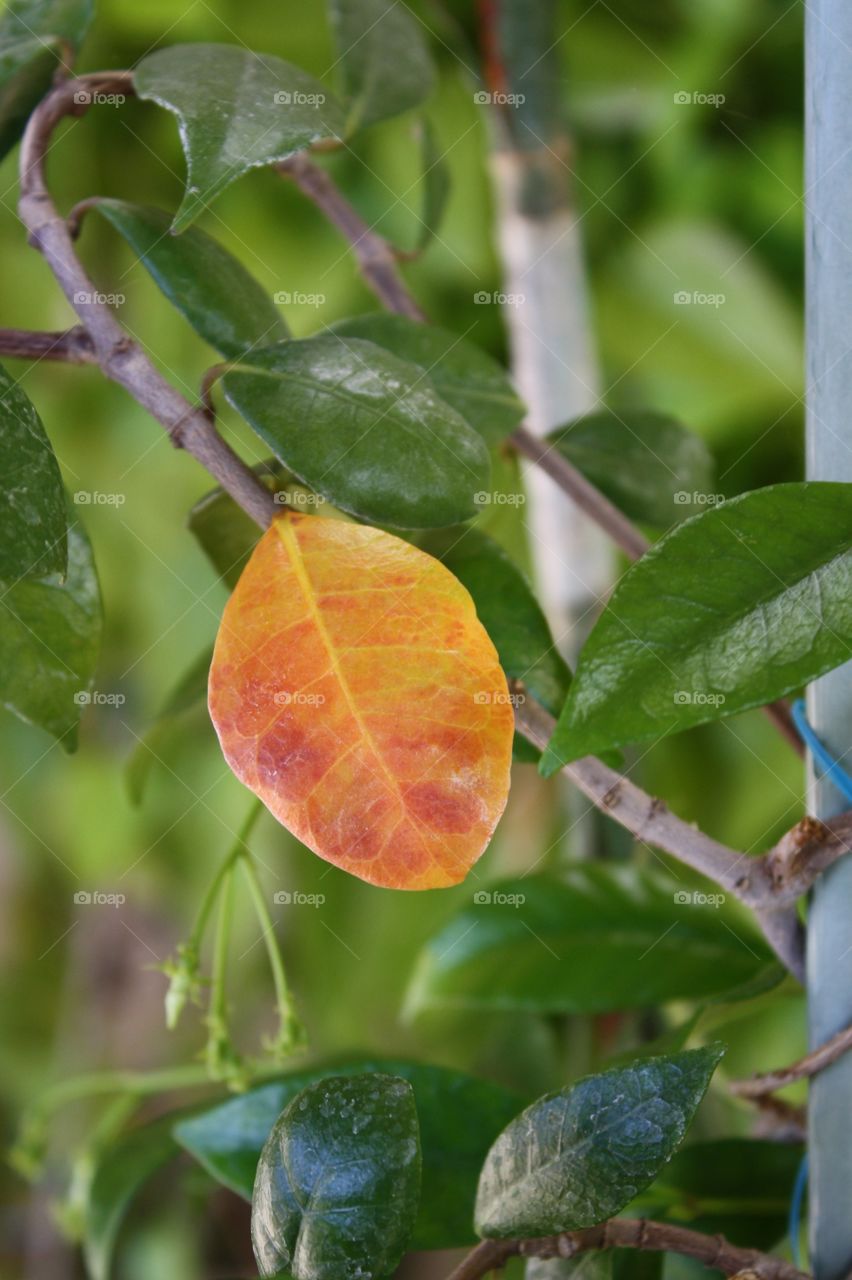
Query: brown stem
point(119, 357)
point(715, 1252)
point(73, 346)
point(810, 1065)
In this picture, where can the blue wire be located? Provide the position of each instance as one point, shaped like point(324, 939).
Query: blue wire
point(796, 1211)
point(831, 768)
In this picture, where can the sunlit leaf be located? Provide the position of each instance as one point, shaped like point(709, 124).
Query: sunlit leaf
point(596, 940)
point(208, 285)
point(36, 36)
point(339, 1180)
point(50, 630)
point(646, 463)
point(464, 375)
point(356, 693)
point(384, 60)
point(576, 1157)
point(33, 517)
point(459, 1119)
point(236, 110)
point(732, 609)
point(364, 428)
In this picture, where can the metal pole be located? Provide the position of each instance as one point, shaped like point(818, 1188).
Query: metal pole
point(828, 40)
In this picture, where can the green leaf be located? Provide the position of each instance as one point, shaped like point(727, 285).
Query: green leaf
point(737, 1187)
point(576, 1157)
point(187, 697)
point(33, 520)
point(385, 63)
point(598, 939)
point(464, 376)
point(435, 184)
point(36, 36)
point(363, 428)
point(646, 463)
point(122, 1170)
point(236, 110)
point(338, 1181)
point(732, 609)
point(459, 1119)
point(208, 285)
point(50, 633)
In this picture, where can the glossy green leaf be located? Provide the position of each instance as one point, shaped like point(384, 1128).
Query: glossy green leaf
point(33, 518)
point(236, 110)
point(435, 186)
point(338, 1181)
point(36, 36)
point(464, 375)
point(363, 428)
point(732, 609)
point(646, 463)
point(186, 700)
point(208, 285)
point(601, 938)
point(577, 1157)
point(50, 632)
point(121, 1172)
point(383, 57)
point(459, 1119)
point(737, 1187)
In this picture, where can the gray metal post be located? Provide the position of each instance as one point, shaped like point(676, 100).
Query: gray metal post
point(829, 449)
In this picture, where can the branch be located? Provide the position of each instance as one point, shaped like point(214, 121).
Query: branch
point(73, 346)
point(120, 358)
point(625, 1233)
point(759, 1086)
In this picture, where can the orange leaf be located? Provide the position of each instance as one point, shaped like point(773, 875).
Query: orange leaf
point(357, 694)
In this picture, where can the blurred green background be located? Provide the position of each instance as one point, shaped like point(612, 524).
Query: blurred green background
point(674, 196)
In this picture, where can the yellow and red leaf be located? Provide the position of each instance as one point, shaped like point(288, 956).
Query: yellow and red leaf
point(356, 693)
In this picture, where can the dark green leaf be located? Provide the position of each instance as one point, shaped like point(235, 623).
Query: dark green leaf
point(33, 517)
point(737, 1187)
point(36, 36)
point(188, 697)
point(435, 184)
point(210, 287)
point(364, 428)
point(236, 110)
point(121, 1172)
point(576, 1157)
point(599, 939)
point(384, 59)
point(645, 463)
point(732, 609)
point(338, 1181)
point(50, 633)
point(464, 376)
point(459, 1119)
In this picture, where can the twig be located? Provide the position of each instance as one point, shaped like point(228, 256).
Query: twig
point(73, 346)
point(812, 1063)
point(120, 358)
point(715, 1252)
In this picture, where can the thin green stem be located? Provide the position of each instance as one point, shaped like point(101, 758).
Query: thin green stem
point(290, 1032)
